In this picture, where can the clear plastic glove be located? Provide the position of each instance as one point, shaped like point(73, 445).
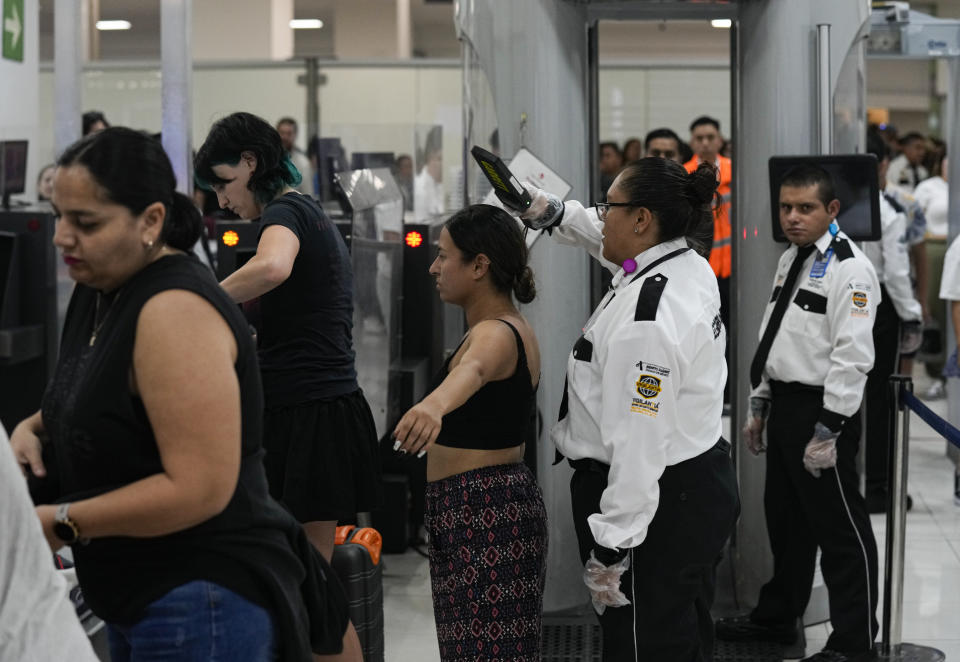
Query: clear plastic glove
point(756, 420)
point(604, 582)
point(911, 336)
point(821, 451)
point(545, 210)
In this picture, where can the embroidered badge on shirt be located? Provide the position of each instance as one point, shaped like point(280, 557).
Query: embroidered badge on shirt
point(859, 300)
point(717, 326)
point(653, 368)
point(648, 388)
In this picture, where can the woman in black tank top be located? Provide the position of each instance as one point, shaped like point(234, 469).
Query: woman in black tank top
point(151, 432)
point(485, 513)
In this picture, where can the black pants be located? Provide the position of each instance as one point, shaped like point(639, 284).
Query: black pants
point(828, 512)
point(886, 343)
point(671, 579)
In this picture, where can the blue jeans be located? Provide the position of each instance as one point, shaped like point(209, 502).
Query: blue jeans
point(197, 622)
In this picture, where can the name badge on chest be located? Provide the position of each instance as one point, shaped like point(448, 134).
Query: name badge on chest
point(819, 268)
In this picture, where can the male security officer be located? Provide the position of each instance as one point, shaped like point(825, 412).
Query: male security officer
point(808, 376)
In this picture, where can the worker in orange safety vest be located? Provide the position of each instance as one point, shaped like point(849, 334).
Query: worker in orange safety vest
point(705, 140)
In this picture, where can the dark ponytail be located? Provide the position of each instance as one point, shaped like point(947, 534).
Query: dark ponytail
point(132, 170)
point(701, 191)
point(183, 224)
point(523, 286)
point(682, 202)
point(493, 232)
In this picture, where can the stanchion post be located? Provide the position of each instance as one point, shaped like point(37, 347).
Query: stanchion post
point(896, 516)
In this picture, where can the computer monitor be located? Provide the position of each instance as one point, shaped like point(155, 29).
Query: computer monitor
point(855, 183)
point(13, 169)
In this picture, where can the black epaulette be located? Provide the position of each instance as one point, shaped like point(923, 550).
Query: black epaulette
point(897, 207)
point(842, 248)
point(649, 298)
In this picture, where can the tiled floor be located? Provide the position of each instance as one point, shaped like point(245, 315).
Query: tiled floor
point(931, 610)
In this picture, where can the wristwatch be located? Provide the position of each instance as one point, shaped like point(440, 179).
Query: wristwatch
point(64, 527)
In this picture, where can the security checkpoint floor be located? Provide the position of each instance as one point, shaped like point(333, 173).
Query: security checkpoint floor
point(931, 609)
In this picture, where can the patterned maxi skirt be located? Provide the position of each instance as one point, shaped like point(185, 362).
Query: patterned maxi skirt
point(488, 549)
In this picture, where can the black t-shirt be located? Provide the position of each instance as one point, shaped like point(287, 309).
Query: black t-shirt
point(306, 332)
point(101, 439)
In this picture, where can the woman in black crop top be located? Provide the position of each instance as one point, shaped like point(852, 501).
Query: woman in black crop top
point(485, 513)
point(152, 426)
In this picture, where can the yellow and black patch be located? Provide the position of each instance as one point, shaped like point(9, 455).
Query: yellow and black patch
point(649, 387)
point(859, 299)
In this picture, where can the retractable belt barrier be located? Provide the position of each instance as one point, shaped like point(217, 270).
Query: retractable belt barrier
point(901, 392)
point(940, 426)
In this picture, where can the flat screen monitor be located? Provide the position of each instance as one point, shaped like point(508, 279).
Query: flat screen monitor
point(856, 186)
point(13, 168)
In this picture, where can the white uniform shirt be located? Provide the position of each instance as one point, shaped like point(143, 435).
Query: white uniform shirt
point(934, 196)
point(38, 622)
point(891, 261)
point(916, 213)
point(900, 173)
point(950, 281)
point(642, 395)
point(427, 196)
point(826, 335)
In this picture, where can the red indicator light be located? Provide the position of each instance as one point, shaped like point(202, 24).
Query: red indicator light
point(413, 239)
point(230, 238)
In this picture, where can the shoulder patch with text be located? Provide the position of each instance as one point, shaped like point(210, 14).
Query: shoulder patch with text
point(859, 301)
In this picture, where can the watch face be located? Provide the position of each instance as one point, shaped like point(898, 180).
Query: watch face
point(65, 532)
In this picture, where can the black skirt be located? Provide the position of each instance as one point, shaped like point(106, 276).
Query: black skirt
point(322, 459)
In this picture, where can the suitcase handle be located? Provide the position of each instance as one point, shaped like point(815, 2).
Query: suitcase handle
point(371, 540)
point(343, 534)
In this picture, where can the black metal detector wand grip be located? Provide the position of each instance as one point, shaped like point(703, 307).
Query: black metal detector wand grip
point(505, 184)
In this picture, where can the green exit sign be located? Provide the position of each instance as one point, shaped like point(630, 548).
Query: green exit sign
point(13, 30)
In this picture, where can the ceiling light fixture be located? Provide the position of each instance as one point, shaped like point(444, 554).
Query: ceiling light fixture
point(113, 25)
point(306, 24)
point(724, 23)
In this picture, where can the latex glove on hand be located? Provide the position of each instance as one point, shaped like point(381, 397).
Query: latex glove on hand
point(756, 420)
point(604, 582)
point(821, 451)
point(545, 210)
point(911, 336)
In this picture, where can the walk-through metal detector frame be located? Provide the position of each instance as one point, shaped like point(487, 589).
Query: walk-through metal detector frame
point(540, 59)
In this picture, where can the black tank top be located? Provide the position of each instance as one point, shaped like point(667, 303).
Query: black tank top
point(501, 414)
point(102, 439)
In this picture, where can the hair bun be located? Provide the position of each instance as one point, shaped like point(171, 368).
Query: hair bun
point(702, 184)
point(183, 224)
point(524, 287)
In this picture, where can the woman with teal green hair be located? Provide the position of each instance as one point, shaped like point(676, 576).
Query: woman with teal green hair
point(319, 435)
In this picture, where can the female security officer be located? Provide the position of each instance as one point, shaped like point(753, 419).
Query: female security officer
point(654, 493)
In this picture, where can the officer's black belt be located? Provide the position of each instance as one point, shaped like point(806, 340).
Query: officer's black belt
point(589, 464)
point(788, 388)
